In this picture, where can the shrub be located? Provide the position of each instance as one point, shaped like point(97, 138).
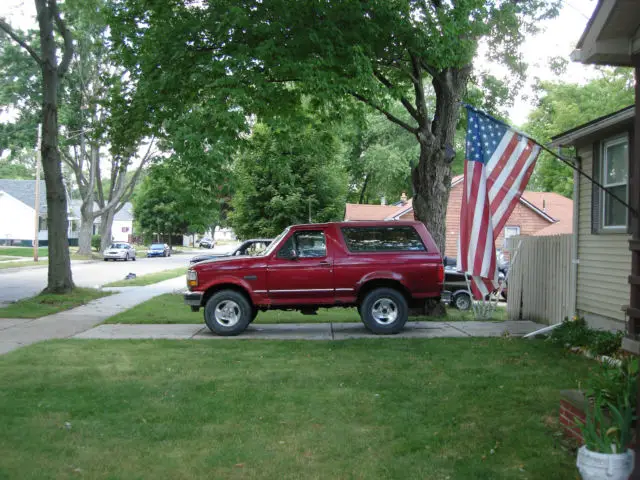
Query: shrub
point(605, 343)
point(95, 242)
point(572, 332)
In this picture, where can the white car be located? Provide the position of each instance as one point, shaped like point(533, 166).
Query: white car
point(120, 251)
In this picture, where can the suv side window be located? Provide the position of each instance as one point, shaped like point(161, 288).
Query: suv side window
point(382, 239)
point(306, 243)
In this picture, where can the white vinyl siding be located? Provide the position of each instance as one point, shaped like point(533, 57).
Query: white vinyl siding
point(604, 261)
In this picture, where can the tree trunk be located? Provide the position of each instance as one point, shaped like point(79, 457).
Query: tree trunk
point(59, 275)
point(431, 183)
point(86, 232)
point(106, 223)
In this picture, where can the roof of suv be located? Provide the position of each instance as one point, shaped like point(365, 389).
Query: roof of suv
point(367, 223)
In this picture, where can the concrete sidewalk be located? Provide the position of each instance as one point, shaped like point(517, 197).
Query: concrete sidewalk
point(311, 331)
point(17, 332)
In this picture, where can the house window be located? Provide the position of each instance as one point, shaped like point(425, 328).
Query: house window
point(615, 177)
point(511, 232)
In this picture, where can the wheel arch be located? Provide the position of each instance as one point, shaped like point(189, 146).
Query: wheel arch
point(212, 290)
point(374, 283)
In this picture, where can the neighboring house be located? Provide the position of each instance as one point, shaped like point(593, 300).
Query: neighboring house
point(122, 228)
point(602, 223)
point(17, 214)
point(537, 213)
point(220, 234)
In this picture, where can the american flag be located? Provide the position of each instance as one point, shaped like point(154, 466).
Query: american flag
point(499, 162)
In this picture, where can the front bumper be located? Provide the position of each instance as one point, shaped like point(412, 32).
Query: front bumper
point(115, 255)
point(155, 254)
point(193, 299)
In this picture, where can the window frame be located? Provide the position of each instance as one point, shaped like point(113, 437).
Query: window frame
point(295, 244)
point(369, 252)
point(604, 198)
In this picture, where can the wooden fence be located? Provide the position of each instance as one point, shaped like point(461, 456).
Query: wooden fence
point(540, 279)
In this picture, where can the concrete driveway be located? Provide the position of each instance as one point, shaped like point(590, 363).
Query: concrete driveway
point(16, 284)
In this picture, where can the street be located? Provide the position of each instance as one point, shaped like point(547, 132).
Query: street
point(16, 284)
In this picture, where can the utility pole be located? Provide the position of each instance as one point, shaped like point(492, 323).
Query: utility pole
point(37, 204)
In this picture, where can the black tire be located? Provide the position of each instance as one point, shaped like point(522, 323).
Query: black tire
point(239, 313)
point(384, 311)
point(462, 301)
point(106, 259)
point(126, 259)
point(254, 315)
point(134, 259)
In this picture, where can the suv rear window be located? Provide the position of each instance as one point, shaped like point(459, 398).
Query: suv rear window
point(382, 239)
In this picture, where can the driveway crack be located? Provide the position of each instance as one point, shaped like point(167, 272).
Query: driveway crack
point(458, 329)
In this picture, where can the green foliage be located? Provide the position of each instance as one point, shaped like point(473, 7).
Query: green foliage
point(288, 174)
point(95, 242)
point(614, 392)
point(562, 106)
point(576, 333)
point(170, 203)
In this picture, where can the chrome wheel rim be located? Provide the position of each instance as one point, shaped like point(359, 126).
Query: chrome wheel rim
point(384, 311)
point(463, 303)
point(227, 313)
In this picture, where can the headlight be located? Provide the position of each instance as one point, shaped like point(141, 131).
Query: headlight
point(192, 278)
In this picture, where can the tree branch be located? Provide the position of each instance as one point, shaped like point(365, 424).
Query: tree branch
point(66, 36)
point(406, 103)
point(9, 31)
point(389, 116)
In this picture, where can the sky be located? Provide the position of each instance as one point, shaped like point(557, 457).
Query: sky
point(558, 38)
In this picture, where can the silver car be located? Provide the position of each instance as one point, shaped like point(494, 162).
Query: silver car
point(120, 251)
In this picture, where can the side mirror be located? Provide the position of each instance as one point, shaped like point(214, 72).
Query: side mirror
point(293, 255)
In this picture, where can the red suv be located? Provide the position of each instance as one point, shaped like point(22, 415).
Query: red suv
point(383, 268)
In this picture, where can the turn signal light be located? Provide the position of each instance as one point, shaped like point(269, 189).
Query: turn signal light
point(440, 273)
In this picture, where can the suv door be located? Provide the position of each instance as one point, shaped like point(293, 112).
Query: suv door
point(301, 271)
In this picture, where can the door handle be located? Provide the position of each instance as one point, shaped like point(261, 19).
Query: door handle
point(324, 263)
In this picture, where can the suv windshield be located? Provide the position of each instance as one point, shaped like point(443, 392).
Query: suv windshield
point(273, 245)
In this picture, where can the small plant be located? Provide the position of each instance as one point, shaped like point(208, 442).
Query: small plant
point(605, 343)
point(95, 242)
point(615, 393)
point(576, 333)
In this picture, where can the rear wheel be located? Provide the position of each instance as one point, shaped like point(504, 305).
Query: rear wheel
point(462, 301)
point(228, 313)
point(384, 311)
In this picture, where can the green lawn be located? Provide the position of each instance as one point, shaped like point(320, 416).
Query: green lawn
point(23, 263)
point(149, 278)
point(46, 304)
point(170, 308)
point(369, 409)
point(23, 251)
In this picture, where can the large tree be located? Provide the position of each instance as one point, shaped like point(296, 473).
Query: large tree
point(562, 106)
point(248, 53)
point(52, 31)
point(288, 173)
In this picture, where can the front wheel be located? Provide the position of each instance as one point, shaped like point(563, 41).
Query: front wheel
point(384, 311)
point(228, 313)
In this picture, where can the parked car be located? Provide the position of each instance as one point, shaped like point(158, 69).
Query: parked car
point(248, 247)
point(120, 251)
point(383, 268)
point(159, 250)
point(456, 291)
point(207, 243)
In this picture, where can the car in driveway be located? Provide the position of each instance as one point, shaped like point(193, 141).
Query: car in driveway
point(249, 247)
point(120, 251)
point(207, 243)
point(385, 269)
point(159, 250)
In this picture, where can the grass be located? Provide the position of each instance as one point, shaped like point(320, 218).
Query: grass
point(170, 308)
point(47, 303)
point(149, 278)
point(24, 263)
point(23, 251)
point(394, 409)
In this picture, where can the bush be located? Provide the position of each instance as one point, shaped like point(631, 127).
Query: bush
point(576, 333)
point(95, 242)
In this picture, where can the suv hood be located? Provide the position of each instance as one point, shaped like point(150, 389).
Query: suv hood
point(227, 262)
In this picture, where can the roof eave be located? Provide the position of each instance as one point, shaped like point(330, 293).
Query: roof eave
point(572, 136)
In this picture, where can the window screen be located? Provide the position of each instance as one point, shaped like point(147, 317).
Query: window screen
point(382, 239)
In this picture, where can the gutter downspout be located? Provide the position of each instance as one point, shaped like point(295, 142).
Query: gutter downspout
point(574, 247)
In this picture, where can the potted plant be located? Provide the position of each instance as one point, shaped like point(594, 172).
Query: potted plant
point(607, 431)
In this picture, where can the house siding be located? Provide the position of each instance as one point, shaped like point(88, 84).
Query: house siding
point(16, 219)
point(604, 262)
point(529, 221)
